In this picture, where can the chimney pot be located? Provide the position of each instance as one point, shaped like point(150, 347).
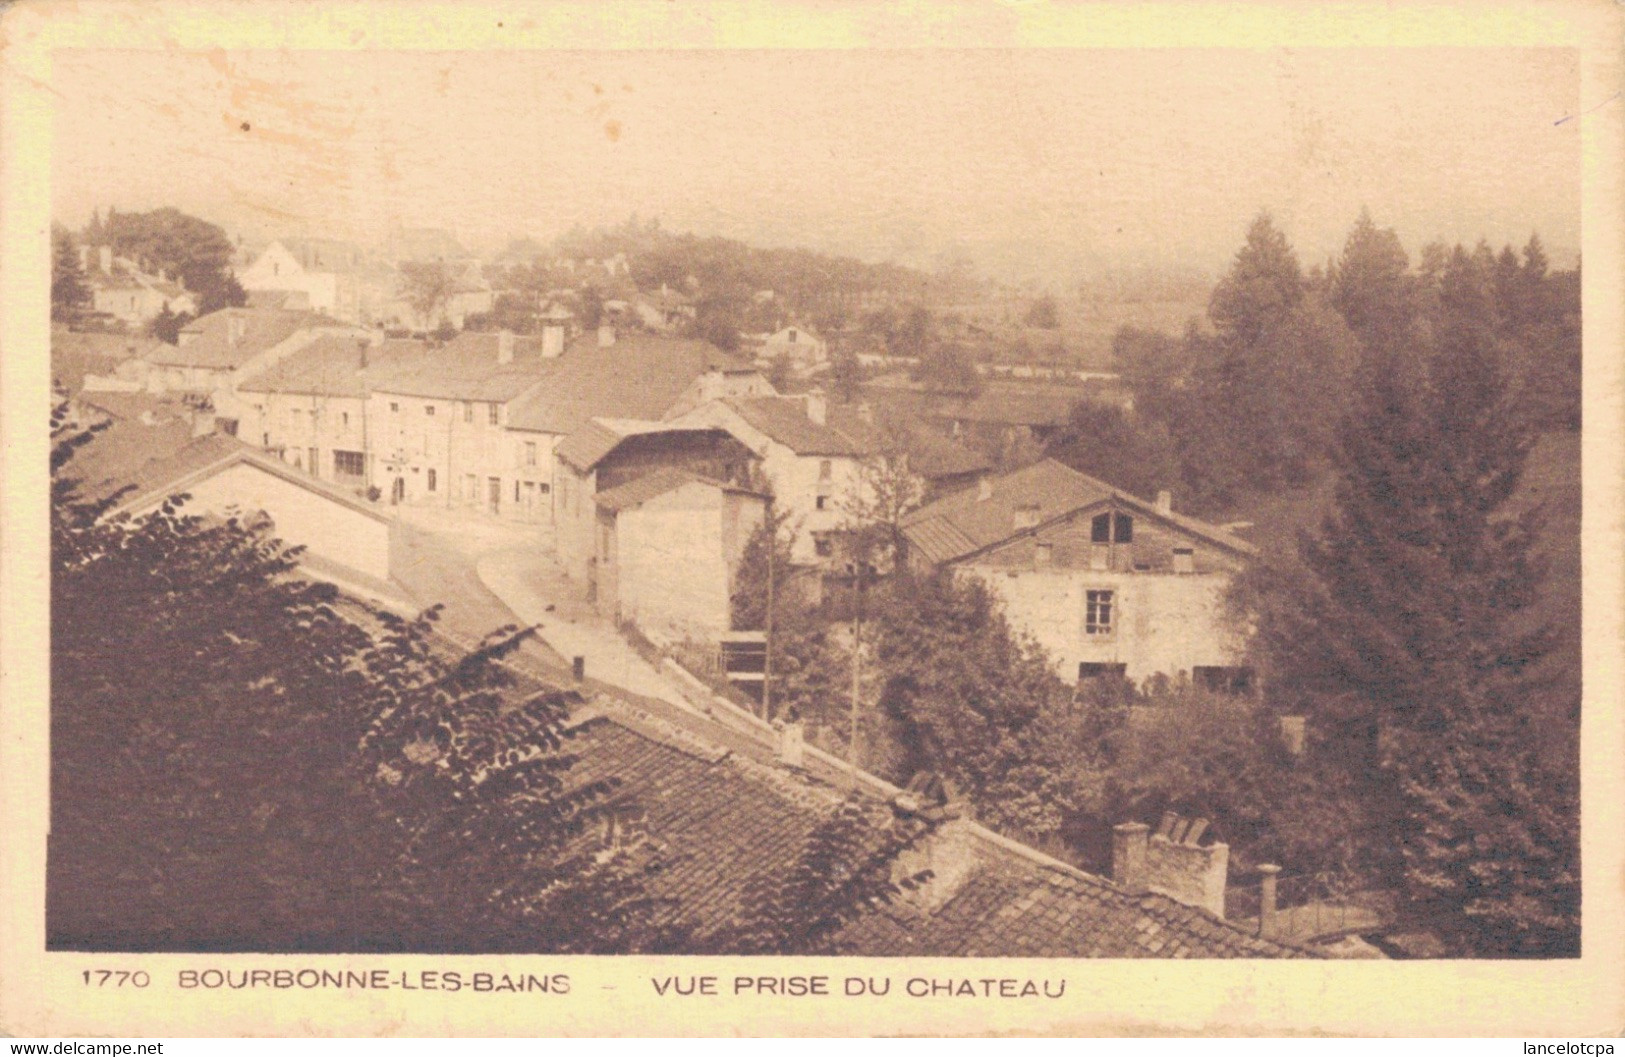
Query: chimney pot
point(817, 407)
point(1165, 502)
point(1267, 898)
point(606, 335)
point(791, 744)
point(1129, 842)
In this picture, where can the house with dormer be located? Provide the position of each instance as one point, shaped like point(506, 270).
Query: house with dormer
point(1108, 583)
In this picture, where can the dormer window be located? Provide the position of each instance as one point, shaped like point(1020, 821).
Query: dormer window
point(1111, 528)
point(1026, 516)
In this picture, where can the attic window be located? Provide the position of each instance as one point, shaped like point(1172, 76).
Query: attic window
point(1111, 528)
point(428, 409)
point(1184, 560)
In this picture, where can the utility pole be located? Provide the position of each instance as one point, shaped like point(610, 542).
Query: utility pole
point(767, 641)
point(857, 662)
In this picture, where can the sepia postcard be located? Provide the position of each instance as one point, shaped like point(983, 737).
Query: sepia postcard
point(974, 518)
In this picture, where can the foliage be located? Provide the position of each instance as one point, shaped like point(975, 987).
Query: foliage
point(846, 375)
point(166, 325)
point(844, 869)
point(428, 287)
point(1406, 633)
point(1113, 445)
point(1043, 314)
point(69, 290)
point(240, 762)
point(193, 251)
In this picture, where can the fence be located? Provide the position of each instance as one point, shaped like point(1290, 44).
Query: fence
point(1307, 907)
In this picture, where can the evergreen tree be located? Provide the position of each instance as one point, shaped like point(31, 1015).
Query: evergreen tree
point(69, 291)
point(1372, 288)
point(1264, 283)
point(1407, 635)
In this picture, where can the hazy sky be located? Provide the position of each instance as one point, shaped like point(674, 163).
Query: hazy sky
point(1022, 160)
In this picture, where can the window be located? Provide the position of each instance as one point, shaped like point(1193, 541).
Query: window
point(1111, 528)
point(516, 491)
point(530, 453)
point(1184, 560)
point(228, 426)
point(493, 413)
point(349, 463)
point(431, 480)
point(344, 417)
point(1098, 612)
point(1098, 670)
point(428, 409)
point(545, 487)
point(822, 502)
point(468, 411)
point(1043, 555)
point(393, 406)
point(1026, 515)
point(1222, 679)
point(823, 547)
point(311, 460)
point(825, 469)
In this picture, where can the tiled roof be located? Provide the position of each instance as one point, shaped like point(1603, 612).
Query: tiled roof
point(74, 355)
point(583, 448)
point(328, 366)
point(717, 819)
point(930, 454)
point(162, 473)
point(784, 418)
point(640, 376)
point(961, 524)
point(651, 485)
point(465, 368)
point(211, 344)
point(997, 403)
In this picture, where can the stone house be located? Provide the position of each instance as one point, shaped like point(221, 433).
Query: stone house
point(121, 289)
point(1106, 582)
point(437, 425)
point(666, 547)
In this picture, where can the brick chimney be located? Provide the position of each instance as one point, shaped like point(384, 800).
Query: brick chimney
point(948, 850)
point(1129, 843)
point(791, 743)
point(606, 335)
point(504, 346)
point(552, 339)
point(1172, 861)
point(817, 407)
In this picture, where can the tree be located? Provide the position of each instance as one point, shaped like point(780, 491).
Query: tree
point(244, 760)
point(844, 869)
point(166, 325)
point(1118, 447)
point(428, 287)
point(194, 251)
point(845, 375)
point(1264, 283)
point(1407, 634)
point(1044, 314)
point(1372, 288)
point(69, 291)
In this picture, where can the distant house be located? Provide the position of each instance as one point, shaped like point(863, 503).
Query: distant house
point(220, 349)
point(1106, 582)
point(609, 374)
point(805, 350)
point(146, 461)
point(315, 274)
point(664, 310)
point(666, 549)
point(119, 288)
point(992, 418)
point(76, 356)
point(438, 424)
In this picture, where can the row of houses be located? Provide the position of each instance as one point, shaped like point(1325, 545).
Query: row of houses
point(652, 459)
